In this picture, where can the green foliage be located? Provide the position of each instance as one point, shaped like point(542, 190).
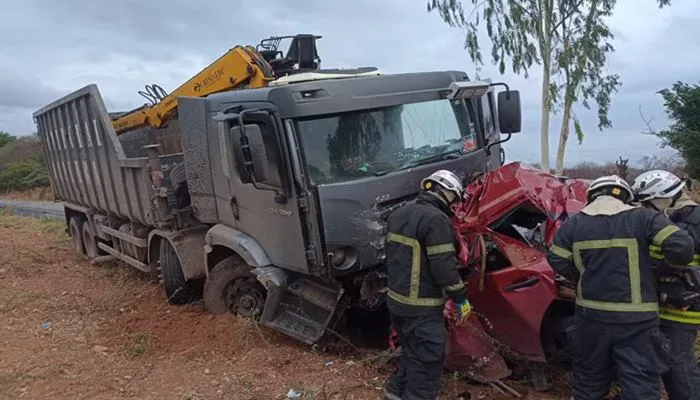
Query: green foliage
point(578, 129)
point(24, 175)
point(21, 164)
point(581, 56)
point(568, 38)
point(6, 138)
point(513, 27)
point(682, 102)
point(519, 29)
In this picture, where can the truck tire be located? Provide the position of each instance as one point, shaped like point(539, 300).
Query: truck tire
point(175, 288)
point(75, 228)
point(90, 241)
point(231, 286)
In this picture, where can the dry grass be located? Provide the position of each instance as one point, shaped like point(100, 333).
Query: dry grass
point(35, 194)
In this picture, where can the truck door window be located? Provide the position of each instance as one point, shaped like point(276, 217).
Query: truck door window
point(489, 119)
point(357, 144)
point(272, 149)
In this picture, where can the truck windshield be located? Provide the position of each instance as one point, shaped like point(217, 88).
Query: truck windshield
point(357, 144)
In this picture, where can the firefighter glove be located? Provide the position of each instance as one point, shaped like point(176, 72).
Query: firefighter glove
point(680, 300)
point(463, 310)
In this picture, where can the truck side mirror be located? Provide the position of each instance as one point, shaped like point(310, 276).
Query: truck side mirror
point(509, 114)
point(249, 153)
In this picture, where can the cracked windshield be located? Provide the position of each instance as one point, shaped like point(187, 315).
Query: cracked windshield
point(375, 142)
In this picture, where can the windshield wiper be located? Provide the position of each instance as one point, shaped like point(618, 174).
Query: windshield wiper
point(431, 159)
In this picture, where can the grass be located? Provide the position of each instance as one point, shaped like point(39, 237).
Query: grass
point(140, 344)
point(40, 193)
point(54, 227)
point(17, 301)
point(20, 258)
point(118, 292)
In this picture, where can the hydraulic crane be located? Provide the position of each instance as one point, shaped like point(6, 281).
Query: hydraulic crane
point(242, 67)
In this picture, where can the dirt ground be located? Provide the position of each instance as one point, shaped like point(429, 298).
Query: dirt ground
point(72, 330)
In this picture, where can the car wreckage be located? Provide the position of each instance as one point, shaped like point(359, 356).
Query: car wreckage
point(522, 309)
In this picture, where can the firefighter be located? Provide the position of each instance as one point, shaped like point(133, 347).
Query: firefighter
point(680, 308)
point(605, 249)
point(422, 265)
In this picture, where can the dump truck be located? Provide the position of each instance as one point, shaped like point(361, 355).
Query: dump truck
point(272, 203)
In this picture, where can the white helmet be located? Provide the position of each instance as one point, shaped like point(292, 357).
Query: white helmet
point(447, 179)
point(657, 184)
point(610, 182)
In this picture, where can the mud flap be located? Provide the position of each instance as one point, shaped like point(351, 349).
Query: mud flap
point(297, 305)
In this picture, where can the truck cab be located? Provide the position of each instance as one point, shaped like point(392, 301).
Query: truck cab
point(296, 180)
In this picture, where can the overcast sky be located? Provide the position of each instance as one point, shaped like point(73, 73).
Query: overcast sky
point(49, 48)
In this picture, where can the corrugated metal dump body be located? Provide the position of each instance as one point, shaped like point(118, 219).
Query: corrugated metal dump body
point(86, 161)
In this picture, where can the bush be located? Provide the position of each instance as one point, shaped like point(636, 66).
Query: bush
point(27, 174)
point(21, 163)
point(6, 138)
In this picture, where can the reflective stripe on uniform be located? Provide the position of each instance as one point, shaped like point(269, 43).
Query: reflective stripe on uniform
point(631, 245)
point(684, 317)
point(455, 287)
point(560, 251)
point(414, 285)
point(664, 234)
point(440, 249)
point(620, 307)
point(657, 254)
point(417, 301)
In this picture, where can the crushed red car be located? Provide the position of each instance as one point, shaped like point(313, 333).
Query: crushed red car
point(522, 310)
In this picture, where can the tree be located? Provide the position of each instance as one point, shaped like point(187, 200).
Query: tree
point(6, 138)
point(682, 103)
point(581, 56)
point(525, 32)
point(622, 167)
point(667, 162)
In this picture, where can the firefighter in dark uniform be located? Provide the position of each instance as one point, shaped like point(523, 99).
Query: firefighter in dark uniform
point(422, 263)
point(678, 297)
point(605, 248)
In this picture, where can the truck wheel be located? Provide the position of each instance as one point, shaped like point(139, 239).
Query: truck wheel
point(75, 226)
point(175, 288)
point(231, 286)
point(89, 241)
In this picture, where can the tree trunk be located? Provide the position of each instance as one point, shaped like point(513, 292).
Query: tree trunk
point(564, 135)
point(545, 39)
point(544, 119)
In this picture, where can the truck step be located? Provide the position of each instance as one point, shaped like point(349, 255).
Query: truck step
point(301, 306)
point(297, 326)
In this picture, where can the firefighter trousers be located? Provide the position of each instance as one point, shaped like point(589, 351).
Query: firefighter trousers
point(423, 341)
point(682, 379)
point(633, 350)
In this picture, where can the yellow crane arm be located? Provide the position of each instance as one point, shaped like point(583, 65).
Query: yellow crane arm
point(240, 67)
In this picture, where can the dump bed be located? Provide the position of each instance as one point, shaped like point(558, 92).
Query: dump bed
point(86, 160)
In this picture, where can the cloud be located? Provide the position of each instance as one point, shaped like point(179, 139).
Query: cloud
point(49, 48)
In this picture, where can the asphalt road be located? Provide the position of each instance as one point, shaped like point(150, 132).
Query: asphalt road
point(37, 209)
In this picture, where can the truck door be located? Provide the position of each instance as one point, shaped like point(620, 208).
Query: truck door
point(487, 106)
point(265, 203)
